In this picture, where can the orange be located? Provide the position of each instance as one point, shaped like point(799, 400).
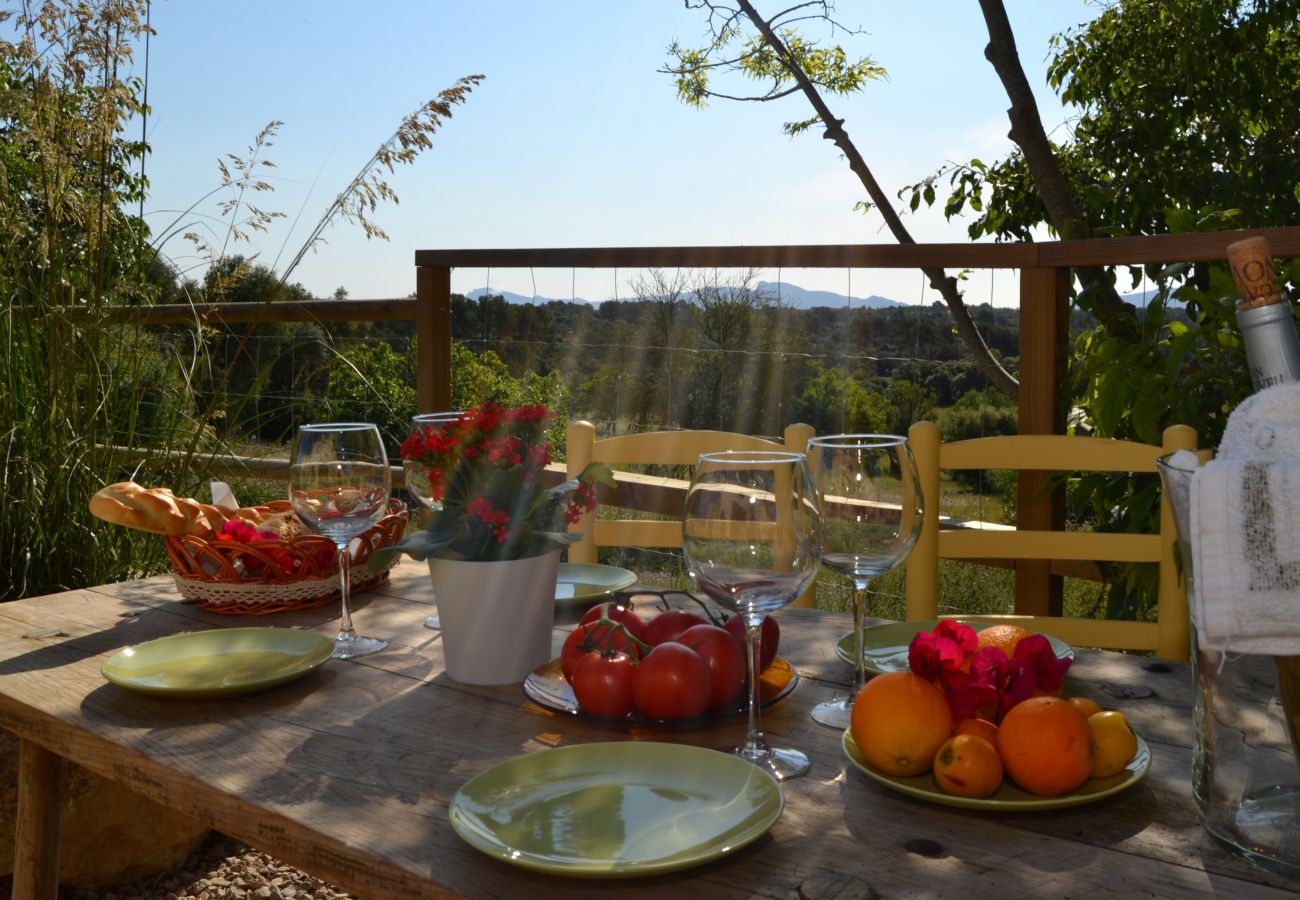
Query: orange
point(1046, 746)
point(968, 766)
point(1086, 706)
point(1004, 637)
point(1115, 742)
point(978, 727)
point(899, 722)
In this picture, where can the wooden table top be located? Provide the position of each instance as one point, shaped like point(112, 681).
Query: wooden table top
point(348, 772)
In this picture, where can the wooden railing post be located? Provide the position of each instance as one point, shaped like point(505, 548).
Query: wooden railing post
point(1044, 331)
point(433, 338)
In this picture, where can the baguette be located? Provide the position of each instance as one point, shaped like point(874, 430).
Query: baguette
point(156, 510)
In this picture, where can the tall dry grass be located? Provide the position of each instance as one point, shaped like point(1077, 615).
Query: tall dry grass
point(75, 389)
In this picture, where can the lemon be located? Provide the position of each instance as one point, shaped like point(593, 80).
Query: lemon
point(1116, 744)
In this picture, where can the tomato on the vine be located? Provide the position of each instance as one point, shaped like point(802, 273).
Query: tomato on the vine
point(624, 615)
point(770, 638)
point(672, 682)
point(602, 685)
point(669, 624)
point(593, 636)
point(725, 658)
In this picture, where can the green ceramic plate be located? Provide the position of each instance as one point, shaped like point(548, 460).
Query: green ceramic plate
point(588, 582)
point(222, 662)
point(546, 687)
point(1009, 798)
point(616, 810)
point(884, 647)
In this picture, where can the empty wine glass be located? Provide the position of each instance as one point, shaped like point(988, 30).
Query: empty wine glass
point(751, 535)
point(871, 516)
point(418, 480)
point(338, 484)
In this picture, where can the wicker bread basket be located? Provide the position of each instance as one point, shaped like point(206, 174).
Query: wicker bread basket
point(271, 576)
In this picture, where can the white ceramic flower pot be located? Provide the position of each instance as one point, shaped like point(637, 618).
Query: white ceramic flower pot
point(496, 616)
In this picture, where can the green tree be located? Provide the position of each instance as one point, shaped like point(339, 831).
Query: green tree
point(911, 403)
point(833, 402)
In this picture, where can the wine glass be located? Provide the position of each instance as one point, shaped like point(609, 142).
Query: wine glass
point(417, 476)
point(871, 514)
point(338, 484)
point(751, 535)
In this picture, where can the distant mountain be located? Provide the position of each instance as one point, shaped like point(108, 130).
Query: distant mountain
point(800, 298)
point(790, 294)
point(512, 297)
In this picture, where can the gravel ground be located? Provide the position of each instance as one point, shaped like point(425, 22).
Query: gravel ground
point(221, 869)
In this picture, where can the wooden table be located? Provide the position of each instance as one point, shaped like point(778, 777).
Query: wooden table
point(348, 772)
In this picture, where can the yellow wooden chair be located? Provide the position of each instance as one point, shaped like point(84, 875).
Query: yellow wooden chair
point(1168, 636)
point(654, 494)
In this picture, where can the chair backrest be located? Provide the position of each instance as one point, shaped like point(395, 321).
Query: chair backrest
point(649, 493)
point(1168, 636)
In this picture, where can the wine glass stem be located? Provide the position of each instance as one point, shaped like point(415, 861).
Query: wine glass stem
point(859, 605)
point(346, 631)
point(755, 743)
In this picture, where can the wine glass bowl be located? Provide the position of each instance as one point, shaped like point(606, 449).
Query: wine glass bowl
point(420, 477)
point(751, 537)
point(871, 506)
point(339, 482)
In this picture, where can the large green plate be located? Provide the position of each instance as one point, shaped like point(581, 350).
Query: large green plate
point(884, 647)
point(617, 809)
point(587, 582)
point(1009, 798)
point(222, 662)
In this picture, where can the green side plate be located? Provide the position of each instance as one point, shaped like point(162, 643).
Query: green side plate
point(884, 647)
point(587, 582)
point(614, 810)
point(223, 662)
point(1008, 798)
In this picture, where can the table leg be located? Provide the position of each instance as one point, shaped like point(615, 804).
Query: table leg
point(40, 808)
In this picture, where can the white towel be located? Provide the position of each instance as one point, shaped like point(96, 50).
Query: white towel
point(1245, 516)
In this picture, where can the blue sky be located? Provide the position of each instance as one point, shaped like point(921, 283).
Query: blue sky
point(574, 139)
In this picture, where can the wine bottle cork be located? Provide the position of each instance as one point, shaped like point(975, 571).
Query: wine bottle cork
point(1252, 269)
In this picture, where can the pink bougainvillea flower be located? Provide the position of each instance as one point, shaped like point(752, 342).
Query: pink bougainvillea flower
point(960, 632)
point(984, 683)
point(933, 653)
point(1049, 669)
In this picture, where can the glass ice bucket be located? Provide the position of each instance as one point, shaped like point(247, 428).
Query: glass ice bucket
point(1246, 755)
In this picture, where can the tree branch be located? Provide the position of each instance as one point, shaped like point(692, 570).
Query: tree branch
point(940, 280)
point(1027, 132)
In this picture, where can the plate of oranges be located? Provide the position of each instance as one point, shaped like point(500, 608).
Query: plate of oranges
point(1008, 797)
point(885, 647)
point(979, 725)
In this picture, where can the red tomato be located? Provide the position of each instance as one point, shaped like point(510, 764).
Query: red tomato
point(771, 638)
point(725, 657)
point(602, 685)
point(592, 636)
point(623, 614)
point(672, 682)
point(669, 624)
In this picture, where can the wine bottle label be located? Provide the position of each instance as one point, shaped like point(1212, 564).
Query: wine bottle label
point(1272, 348)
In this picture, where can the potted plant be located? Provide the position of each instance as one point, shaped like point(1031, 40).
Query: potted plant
point(493, 536)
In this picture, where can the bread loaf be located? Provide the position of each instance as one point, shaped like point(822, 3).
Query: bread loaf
point(156, 510)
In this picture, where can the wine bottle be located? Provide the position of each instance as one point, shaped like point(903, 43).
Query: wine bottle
point(1267, 325)
point(1273, 355)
